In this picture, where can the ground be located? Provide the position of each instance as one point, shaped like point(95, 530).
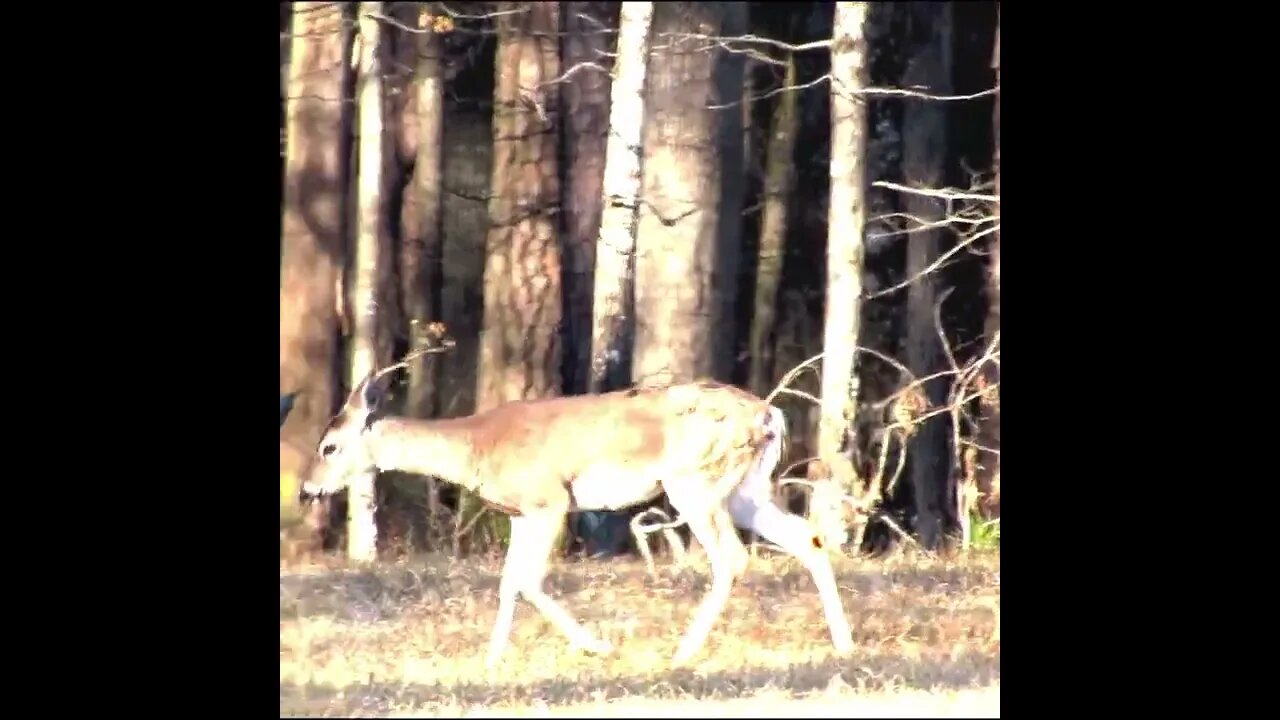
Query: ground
point(409, 638)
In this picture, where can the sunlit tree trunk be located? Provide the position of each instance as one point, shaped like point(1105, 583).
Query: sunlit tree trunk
point(845, 245)
point(520, 349)
point(686, 242)
point(613, 317)
point(369, 345)
point(312, 246)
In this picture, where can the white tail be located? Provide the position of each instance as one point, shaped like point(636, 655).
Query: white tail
point(711, 448)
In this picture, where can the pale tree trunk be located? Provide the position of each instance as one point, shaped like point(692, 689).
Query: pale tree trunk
point(989, 434)
point(613, 320)
point(684, 262)
point(520, 349)
point(845, 244)
point(312, 246)
point(778, 178)
point(372, 255)
point(586, 131)
point(923, 160)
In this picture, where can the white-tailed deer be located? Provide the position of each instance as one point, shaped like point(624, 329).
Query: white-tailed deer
point(711, 448)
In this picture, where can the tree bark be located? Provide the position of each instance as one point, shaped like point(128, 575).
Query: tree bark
point(613, 316)
point(520, 347)
point(924, 122)
point(730, 83)
point(778, 178)
point(685, 266)
point(421, 251)
point(468, 156)
point(845, 246)
point(586, 131)
point(369, 344)
point(989, 435)
point(312, 243)
point(421, 247)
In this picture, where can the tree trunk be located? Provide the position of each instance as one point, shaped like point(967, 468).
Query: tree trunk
point(400, 78)
point(685, 264)
point(586, 132)
point(369, 345)
point(520, 347)
point(778, 178)
point(730, 83)
point(845, 247)
point(924, 160)
point(312, 246)
point(421, 218)
point(420, 251)
point(989, 436)
point(613, 316)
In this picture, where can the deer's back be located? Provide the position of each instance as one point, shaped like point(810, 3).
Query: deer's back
point(613, 450)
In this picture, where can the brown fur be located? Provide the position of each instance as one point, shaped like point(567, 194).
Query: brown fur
point(536, 460)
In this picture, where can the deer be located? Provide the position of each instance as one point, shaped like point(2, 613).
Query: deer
point(711, 448)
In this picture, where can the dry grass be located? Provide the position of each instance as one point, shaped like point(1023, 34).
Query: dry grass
point(408, 639)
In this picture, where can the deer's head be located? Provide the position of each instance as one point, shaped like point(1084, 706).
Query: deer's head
point(343, 451)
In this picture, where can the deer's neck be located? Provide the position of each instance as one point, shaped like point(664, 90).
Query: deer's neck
point(442, 448)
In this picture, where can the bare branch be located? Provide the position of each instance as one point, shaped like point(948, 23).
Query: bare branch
point(814, 45)
point(946, 194)
point(936, 263)
point(771, 93)
point(800, 394)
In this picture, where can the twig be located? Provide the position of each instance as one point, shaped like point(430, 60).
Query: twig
point(894, 526)
point(945, 194)
point(936, 263)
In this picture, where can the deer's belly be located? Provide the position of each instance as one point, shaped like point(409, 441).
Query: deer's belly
point(606, 488)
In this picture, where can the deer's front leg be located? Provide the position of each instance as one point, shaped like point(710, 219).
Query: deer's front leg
point(523, 572)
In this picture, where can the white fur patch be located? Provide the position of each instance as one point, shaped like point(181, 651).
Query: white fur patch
point(756, 489)
point(603, 487)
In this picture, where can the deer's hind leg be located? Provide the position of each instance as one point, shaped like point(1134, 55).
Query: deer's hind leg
point(752, 506)
point(525, 569)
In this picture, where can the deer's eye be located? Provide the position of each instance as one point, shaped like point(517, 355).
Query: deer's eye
point(328, 450)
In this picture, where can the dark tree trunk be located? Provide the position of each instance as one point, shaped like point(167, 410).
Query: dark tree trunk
point(924, 122)
point(586, 130)
point(989, 437)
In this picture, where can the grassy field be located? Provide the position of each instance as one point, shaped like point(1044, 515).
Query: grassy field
point(409, 638)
